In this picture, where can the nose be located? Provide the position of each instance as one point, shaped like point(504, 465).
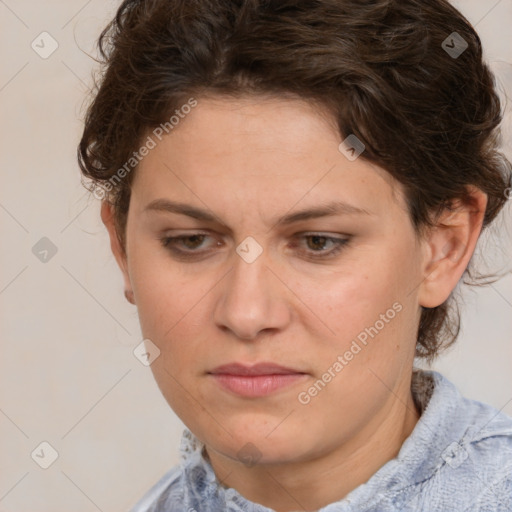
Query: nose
point(251, 299)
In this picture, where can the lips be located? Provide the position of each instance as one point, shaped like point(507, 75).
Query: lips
point(257, 380)
point(257, 369)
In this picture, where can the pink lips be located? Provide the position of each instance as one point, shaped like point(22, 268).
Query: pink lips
point(255, 381)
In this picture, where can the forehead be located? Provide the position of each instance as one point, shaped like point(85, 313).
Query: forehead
point(260, 152)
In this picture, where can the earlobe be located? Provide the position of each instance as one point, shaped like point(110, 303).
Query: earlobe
point(107, 216)
point(449, 248)
point(129, 296)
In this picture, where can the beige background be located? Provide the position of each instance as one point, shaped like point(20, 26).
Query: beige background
point(68, 374)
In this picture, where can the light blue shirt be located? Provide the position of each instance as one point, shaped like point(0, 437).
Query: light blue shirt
point(458, 458)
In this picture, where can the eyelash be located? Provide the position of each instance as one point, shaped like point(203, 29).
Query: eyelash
point(340, 244)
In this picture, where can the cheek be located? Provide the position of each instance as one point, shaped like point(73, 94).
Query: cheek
point(174, 313)
point(349, 300)
point(163, 294)
point(370, 312)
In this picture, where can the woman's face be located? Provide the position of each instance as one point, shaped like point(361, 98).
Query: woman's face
point(292, 255)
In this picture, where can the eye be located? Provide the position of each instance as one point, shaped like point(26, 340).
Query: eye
point(317, 242)
point(186, 244)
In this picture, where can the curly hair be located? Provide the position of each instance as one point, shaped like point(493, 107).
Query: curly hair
point(428, 116)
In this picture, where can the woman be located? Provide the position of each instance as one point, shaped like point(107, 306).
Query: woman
point(293, 189)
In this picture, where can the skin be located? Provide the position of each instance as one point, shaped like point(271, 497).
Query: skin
point(248, 162)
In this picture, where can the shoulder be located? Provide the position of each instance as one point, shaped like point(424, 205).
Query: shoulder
point(475, 466)
point(162, 489)
point(489, 458)
point(496, 494)
point(488, 435)
point(462, 450)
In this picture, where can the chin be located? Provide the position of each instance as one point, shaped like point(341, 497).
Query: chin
point(254, 442)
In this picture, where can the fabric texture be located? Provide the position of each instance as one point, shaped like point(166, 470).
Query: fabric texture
point(458, 458)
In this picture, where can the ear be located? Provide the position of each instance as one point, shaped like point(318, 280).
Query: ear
point(449, 247)
point(107, 216)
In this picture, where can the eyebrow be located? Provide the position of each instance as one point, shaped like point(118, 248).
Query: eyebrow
point(327, 210)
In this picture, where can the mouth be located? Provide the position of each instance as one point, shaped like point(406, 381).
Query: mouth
point(258, 380)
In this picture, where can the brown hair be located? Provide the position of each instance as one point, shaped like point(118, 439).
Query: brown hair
point(382, 68)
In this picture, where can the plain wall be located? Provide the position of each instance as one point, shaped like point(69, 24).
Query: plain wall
point(68, 375)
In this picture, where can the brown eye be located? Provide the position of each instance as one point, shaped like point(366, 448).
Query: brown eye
point(186, 244)
point(191, 242)
point(317, 242)
point(323, 246)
